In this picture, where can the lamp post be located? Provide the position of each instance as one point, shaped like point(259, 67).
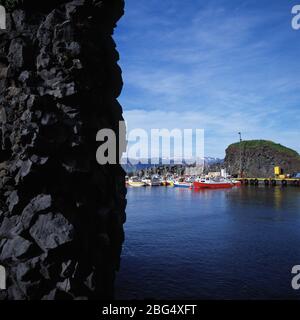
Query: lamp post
point(241, 161)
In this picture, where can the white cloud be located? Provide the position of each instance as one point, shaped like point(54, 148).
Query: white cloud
point(220, 129)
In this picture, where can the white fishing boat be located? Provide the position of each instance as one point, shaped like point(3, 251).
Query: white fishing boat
point(236, 183)
point(147, 180)
point(155, 181)
point(136, 182)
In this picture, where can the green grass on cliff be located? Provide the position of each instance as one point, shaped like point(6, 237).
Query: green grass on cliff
point(265, 143)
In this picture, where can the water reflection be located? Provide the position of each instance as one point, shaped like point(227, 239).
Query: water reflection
point(226, 244)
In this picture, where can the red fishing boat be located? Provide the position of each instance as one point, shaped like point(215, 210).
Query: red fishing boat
point(212, 184)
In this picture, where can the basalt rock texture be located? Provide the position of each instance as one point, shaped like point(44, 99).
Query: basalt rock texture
point(61, 213)
point(259, 157)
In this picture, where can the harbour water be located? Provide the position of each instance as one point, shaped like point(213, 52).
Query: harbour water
point(211, 244)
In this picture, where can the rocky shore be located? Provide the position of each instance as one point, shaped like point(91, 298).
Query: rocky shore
point(61, 214)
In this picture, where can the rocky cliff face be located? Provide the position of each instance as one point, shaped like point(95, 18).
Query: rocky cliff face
point(259, 157)
point(61, 213)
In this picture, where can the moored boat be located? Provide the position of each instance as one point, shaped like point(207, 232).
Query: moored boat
point(147, 180)
point(212, 184)
point(170, 181)
point(182, 184)
point(155, 181)
point(237, 183)
point(136, 182)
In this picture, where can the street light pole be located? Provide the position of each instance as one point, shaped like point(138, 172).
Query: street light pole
point(241, 162)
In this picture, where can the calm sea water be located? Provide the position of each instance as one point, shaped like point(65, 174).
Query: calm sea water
point(212, 244)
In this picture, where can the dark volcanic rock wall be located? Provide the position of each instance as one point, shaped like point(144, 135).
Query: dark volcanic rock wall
point(61, 213)
point(259, 157)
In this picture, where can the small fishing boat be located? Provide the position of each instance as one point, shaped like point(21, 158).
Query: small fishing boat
point(170, 183)
point(236, 183)
point(164, 183)
point(147, 180)
point(181, 183)
point(136, 182)
point(170, 180)
point(212, 184)
point(155, 181)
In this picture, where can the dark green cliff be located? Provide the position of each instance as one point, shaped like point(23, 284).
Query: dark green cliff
point(259, 157)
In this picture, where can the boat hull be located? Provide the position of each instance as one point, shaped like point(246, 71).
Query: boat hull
point(155, 184)
point(182, 185)
point(152, 183)
point(136, 184)
point(217, 185)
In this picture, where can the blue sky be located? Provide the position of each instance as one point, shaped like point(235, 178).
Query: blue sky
point(221, 65)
